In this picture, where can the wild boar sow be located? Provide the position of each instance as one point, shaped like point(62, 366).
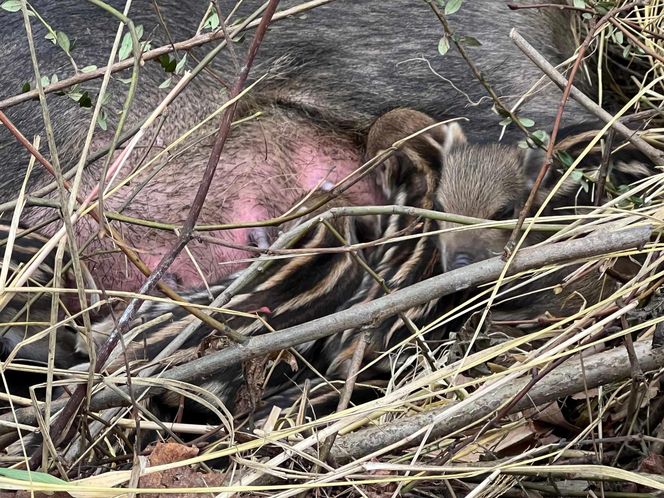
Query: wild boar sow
point(328, 74)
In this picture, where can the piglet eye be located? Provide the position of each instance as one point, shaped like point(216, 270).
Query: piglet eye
point(507, 212)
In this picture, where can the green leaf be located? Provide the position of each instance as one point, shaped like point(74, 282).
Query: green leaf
point(89, 69)
point(167, 63)
point(85, 100)
point(526, 122)
point(604, 7)
point(212, 22)
point(576, 175)
point(125, 47)
point(541, 136)
point(26, 87)
point(51, 36)
point(24, 475)
point(179, 69)
point(443, 45)
point(580, 4)
point(166, 83)
point(63, 41)
point(470, 41)
point(618, 37)
point(101, 121)
point(452, 6)
point(565, 158)
point(506, 122)
point(11, 5)
point(45, 80)
point(626, 51)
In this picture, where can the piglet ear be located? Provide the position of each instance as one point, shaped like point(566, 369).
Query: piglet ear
point(422, 154)
point(445, 137)
point(398, 124)
point(394, 126)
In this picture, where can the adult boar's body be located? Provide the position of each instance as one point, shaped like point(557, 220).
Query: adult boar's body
point(331, 71)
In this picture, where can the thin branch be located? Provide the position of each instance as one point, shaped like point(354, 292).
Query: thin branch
point(515, 6)
point(479, 76)
point(637, 42)
point(604, 166)
point(548, 158)
point(131, 255)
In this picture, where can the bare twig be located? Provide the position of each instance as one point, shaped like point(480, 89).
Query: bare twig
point(548, 159)
point(604, 166)
point(637, 42)
point(479, 76)
point(636, 374)
point(559, 6)
point(131, 255)
point(567, 89)
point(346, 393)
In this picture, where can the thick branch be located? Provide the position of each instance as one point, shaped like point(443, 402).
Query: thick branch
point(601, 369)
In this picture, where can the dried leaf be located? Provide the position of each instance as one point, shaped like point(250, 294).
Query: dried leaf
point(178, 477)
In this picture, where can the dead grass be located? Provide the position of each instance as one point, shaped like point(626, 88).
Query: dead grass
point(477, 422)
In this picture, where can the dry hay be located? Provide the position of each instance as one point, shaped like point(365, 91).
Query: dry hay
point(595, 421)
